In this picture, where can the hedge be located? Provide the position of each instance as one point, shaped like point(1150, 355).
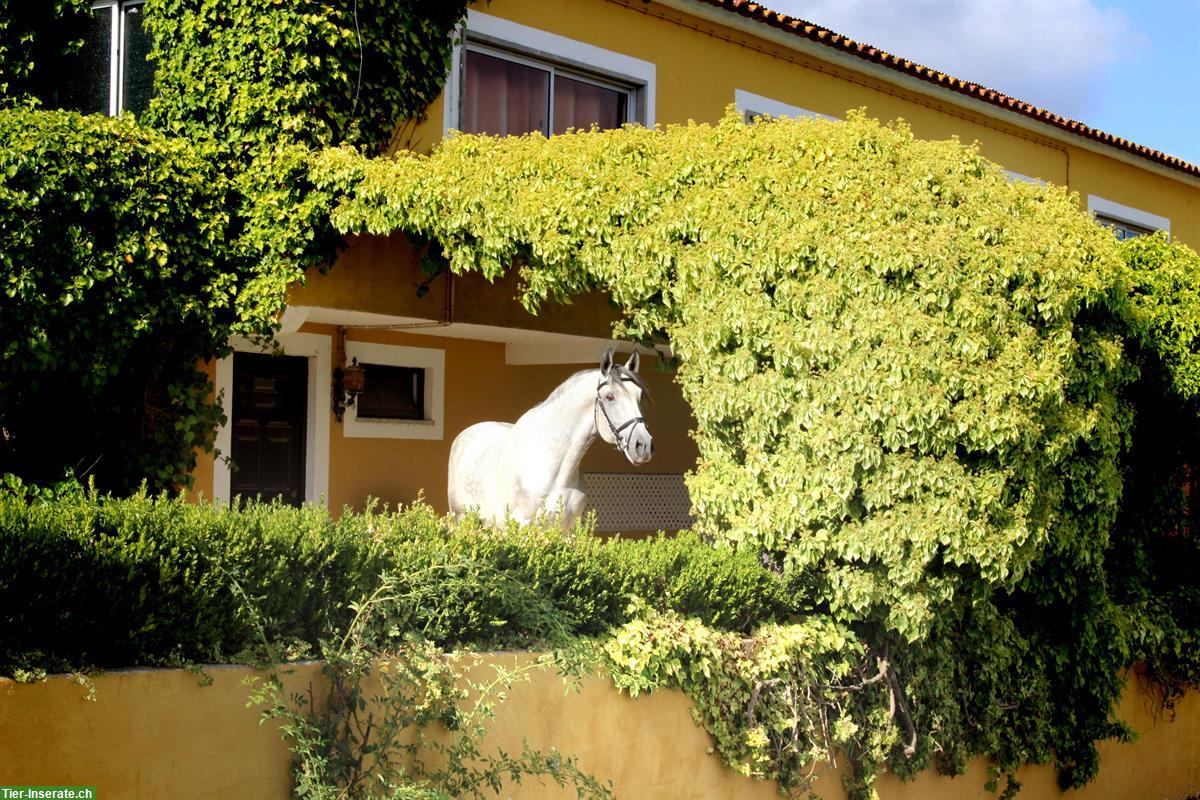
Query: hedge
point(87, 580)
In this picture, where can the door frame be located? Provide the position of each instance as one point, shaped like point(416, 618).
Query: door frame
point(318, 349)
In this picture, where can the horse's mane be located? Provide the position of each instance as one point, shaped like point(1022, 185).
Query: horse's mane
point(619, 371)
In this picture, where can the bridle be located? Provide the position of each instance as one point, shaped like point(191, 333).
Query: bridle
point(618, 441)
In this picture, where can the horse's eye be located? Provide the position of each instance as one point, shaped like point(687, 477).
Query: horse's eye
point(608, 397)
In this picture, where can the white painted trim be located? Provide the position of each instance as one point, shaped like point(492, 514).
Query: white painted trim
point(293, 317)
point(757, 104)
point(1021, 177)
point(522, 345)
point(433, 361)
point(1144, 219)
point(319, 351)
point(566, 352)
point(539, 44)
point(758, 30)
point(114, 53)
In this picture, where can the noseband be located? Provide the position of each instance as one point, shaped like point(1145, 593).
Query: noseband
point(618, 441)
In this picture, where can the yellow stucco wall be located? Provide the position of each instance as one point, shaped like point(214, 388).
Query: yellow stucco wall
point(159, 735)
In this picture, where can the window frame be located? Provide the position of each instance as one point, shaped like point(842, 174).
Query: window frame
point(432, 361)
point(418, 397)
point(1103, 210)
point(553, 53)
point(751, 105)
point(116, 50)
point(554, 70)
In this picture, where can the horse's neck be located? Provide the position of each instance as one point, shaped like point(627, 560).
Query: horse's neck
point(558, 432)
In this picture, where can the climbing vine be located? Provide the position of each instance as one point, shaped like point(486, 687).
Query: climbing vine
point(914, 384)
point(134, 250)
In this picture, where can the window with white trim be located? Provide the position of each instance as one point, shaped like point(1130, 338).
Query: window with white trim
point(755, 106)
point(511, 79)
point(1122, 228)
point(403, 393)
point(507, 94)
point(1126, 221)
point(111, 72)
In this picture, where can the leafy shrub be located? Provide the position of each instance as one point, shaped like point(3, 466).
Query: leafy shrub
point(115, 282)
point(87, 579)
point(130, 255)
point(1164, 298)
point(914, 383)
point(897, 386)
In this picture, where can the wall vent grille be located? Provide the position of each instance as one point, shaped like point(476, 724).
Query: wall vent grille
point(638, 501)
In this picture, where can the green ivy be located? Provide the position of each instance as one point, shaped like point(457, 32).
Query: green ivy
point(132, 252)
point(252, 75)
point(915, 386)
point(115, 281)
point(34, 39)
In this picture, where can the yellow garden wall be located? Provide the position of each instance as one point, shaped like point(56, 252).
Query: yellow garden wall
point(153, 734)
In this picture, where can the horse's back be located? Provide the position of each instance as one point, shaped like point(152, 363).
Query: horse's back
point(473, 466)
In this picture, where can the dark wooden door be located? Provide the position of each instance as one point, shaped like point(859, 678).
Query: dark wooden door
point(269, 424)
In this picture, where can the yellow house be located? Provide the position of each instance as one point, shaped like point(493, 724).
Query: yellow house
point(441, 356)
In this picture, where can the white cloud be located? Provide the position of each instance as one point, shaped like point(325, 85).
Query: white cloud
point(1057, 54)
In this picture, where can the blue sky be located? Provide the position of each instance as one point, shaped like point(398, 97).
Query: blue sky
point(1128, 67)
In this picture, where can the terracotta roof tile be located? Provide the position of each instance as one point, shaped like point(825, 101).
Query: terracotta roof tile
point(866, 52)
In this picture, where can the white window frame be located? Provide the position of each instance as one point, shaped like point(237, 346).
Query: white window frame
point(750, 105)
point(1099, 206)
point(549, 51)
point(116, 51)
point(430, 359)
point(318, 350)
point(1020, 177)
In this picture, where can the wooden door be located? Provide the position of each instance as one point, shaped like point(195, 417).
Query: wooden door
point(270, 399)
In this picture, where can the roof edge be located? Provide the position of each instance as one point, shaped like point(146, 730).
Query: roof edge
point(836, 44)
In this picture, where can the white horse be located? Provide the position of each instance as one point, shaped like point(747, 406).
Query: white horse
point(524, 470)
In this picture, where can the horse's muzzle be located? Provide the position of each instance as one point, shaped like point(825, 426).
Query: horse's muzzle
point(641, 446)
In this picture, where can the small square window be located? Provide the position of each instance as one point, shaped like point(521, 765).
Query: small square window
point(392, 393)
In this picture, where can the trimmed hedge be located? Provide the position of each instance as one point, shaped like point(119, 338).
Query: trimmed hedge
point(90, 580)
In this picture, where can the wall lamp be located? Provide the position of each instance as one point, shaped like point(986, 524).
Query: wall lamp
point(349, 380)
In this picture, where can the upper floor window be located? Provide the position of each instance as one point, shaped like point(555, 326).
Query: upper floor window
point(505, 94)
point(511, 79)
point(755, 106)
point(1126, 221)
point(1123, 228)
point(112, 73)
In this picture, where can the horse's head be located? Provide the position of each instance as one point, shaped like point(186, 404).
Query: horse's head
point(619, 419)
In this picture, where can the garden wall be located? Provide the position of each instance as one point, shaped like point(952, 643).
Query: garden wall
point(160, 734)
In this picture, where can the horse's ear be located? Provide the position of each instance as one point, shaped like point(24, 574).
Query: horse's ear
point(606, 361)
point(632, 363)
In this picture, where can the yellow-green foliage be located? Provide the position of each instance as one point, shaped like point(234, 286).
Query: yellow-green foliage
point(879, 336)
point(1164, 277)
point(912, 386)
point(779, 703)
